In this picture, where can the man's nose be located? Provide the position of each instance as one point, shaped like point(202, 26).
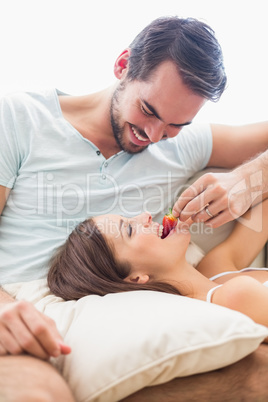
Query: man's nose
point(155, 131)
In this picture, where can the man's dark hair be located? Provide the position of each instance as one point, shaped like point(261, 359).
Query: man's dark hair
point(190, 44)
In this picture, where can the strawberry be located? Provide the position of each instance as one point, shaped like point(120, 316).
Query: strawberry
point(169, 223)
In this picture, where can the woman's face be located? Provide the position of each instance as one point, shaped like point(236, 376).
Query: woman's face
point(138, 241)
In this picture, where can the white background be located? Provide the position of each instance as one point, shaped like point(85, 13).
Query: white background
point(72, 45)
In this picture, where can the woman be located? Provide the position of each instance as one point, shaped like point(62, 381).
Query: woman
point(110, 253)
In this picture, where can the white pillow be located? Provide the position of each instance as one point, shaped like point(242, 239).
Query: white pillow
point(124, 342)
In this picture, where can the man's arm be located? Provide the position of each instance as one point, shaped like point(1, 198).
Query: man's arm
point(234, 145)
point(246, 380)
point(22, 327)
point(4, 193)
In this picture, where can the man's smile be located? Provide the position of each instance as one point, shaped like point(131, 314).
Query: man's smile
point(137, 138)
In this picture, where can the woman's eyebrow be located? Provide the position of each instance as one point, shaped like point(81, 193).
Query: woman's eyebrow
point(121, 223)
point(152, 110)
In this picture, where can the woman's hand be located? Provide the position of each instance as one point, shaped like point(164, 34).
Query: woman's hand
point(23, 329)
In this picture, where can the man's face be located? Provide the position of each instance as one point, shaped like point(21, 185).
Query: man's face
point(144, 112)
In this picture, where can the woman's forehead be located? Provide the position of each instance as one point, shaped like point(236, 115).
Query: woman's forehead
point(109, 224)
point(108, 218)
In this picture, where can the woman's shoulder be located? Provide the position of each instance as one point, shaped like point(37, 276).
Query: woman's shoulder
point(238, 292)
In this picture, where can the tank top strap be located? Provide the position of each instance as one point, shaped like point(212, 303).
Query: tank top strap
point(210, 293)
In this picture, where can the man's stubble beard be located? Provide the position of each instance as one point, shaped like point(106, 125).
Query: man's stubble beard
point(114, 117)
point(118, 130)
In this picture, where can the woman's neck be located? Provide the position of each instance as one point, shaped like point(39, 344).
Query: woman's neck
point(192, 283)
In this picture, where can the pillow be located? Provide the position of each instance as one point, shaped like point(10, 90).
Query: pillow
point(124, 342)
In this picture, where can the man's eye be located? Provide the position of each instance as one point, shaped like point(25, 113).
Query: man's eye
point(129, 230)
point(144, 111)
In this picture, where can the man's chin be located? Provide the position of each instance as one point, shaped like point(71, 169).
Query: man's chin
point(134, 149)
point(127, 145)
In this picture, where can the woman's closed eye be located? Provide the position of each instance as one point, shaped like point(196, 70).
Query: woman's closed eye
point(129, 230)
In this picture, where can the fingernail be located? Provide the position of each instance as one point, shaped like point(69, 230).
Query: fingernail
point(55, 353)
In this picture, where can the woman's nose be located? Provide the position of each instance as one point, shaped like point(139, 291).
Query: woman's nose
point(144, 219)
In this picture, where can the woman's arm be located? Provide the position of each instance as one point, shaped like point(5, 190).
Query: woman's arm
point(242, 246)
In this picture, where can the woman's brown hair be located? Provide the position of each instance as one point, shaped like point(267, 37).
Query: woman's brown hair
point(86, 264)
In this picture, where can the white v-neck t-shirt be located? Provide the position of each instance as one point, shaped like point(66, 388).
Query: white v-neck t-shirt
point(58, 178)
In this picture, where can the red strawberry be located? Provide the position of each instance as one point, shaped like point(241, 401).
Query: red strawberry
point(169, 223)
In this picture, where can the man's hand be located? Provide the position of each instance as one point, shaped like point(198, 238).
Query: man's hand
point(217, 198)
point(23, 329)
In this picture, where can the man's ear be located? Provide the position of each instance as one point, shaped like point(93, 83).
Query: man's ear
point(120, 66)
point(135, 278)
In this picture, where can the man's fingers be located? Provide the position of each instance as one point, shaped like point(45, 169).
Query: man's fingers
point(25, 329)
point(3, 350)
point(227, 195)
point(219, 220)
point(196, 206)
point(46, 332)
point(8, 344)
point(65, 349)
point(27, 342)
point(43, 331)
point(204, 193)
point(197, 192)
point(15, 334)
point(208, 212)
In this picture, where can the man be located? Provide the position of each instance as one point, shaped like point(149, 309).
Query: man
point(64, 158)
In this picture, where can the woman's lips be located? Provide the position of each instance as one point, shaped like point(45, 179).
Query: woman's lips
point(181, 227)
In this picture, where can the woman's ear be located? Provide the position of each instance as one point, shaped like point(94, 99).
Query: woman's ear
point(135, 278)
point(120, 66)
